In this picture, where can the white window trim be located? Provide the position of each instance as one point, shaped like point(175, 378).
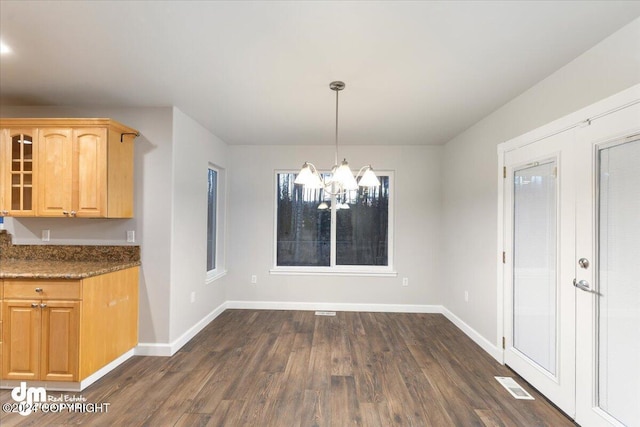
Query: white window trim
point(219, 271)
point(337, 270)
point(334, 271)
point(214, 275)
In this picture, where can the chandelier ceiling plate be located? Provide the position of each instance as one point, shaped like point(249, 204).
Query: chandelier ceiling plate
point(337, 85)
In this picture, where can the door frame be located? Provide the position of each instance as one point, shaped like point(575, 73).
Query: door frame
point(580, 118)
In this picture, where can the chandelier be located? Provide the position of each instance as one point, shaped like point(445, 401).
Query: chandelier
point(341, 179)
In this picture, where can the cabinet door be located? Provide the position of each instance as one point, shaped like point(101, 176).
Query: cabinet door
point(1, 328)
point(90, 172)
point(17, 169)
point(21, 340)
point(60, 332)
point(54, 172)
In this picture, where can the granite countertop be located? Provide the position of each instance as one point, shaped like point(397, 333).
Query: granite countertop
point(62, 261)
point(44, 269)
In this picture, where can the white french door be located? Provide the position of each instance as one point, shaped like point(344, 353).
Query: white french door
point(571, 218)
point(540, 297)
point(608, 271)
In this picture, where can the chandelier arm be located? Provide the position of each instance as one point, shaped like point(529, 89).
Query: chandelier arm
point(331, 193)
point(315, 171)
point(361, 169)
point(313, 167)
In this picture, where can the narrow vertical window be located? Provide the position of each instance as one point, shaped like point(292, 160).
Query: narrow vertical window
point(212, 203)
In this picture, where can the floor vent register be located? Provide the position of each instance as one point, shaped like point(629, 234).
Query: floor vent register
point(514, 388)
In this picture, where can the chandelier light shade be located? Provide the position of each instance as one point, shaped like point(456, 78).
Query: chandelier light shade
point(344, 177)
point(341, 178)
point(309, 177)
point(369, 178)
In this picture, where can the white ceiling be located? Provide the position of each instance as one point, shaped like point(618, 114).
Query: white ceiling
point(258, 72)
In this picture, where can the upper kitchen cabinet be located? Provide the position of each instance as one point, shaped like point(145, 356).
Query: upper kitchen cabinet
point(82, 168)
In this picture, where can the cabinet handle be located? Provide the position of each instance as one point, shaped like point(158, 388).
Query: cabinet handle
point(34, 305)
point(65, 212)
point(5, 213)
point(43, 305)
point(73, 213)
point(38, 289)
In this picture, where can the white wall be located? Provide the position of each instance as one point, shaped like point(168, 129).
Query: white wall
point(152, 204)
point(470, 172)
point(417, 226)
point(194, 148)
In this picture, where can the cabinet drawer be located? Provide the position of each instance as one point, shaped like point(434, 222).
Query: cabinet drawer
point(49, 289)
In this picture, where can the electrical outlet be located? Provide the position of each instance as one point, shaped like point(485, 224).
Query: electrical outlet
point(131, 236)
point(254, 279)
point(193, 297)
point(405, 281)
point(466, 296)
point(46, 235)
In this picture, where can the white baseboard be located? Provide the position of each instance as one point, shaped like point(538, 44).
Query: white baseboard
point(328, 306)
point(72, 386)
point(169, 349)
point(486, 345)
point(106, 369)
point(153, 349)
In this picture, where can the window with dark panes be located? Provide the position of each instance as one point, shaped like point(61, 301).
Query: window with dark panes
point(362, 232)
point(359, 235)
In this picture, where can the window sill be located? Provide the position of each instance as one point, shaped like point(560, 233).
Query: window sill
point(320, 271)
point(215, 276)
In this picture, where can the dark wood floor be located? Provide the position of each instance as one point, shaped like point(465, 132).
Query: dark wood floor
point(292, 368)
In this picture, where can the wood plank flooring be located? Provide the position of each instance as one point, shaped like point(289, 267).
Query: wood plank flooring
point(292, 368)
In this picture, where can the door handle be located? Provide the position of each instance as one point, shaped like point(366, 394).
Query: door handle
point(582, 284)
point(585, 286)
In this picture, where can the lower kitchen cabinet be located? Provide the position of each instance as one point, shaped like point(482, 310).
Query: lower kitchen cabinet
point(65, 330)
point(1, 317)
point(42, 340)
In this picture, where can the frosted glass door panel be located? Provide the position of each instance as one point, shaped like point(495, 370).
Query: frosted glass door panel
point(619, 283)
point(534, 263)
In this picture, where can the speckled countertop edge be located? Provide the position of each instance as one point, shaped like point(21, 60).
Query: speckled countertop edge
point(36, 269)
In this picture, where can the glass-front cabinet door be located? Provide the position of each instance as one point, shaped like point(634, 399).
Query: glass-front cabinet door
point(17, 167)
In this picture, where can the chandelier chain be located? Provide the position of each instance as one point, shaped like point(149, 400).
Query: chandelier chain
point(337, 93)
